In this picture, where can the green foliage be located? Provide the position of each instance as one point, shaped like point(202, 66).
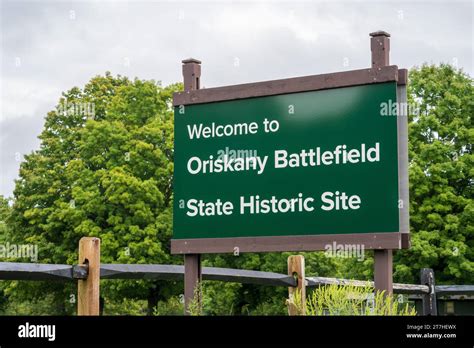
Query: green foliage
point(195, 306)
point(349, 300)
point(108, 176)
point(172, 306)
point(247, 299)
point(5, 212)
point(219, 298)
point(125, 306)
point(441, 176)
point(38, 306)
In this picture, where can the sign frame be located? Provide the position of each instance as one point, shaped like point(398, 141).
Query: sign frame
point(377, 241)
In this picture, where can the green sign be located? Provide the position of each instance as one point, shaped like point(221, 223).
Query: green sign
point(309, 163)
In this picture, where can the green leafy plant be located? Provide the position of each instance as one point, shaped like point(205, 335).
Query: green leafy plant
point(441, 171)
point(195, 306)
point(173, 306)
point(348, 300)
point(108, 174)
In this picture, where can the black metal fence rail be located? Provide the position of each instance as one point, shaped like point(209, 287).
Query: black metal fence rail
point(397, 287)
point(34, 271)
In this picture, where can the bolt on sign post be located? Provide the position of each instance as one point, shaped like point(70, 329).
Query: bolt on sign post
point(299, 164)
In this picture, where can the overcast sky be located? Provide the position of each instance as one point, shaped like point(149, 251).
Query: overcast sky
point(50, 46)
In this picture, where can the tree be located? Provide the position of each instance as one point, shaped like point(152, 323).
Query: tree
point(441, 192)
point(5, 211)
point(441, 176)
point(104, 169)
point(109, 174)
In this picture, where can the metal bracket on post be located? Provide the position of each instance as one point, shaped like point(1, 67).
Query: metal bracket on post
point(429, 300)
point(192, 262)
point(383, 259)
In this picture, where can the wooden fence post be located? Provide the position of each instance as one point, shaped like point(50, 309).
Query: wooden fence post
point(88, 289)
point(429, 300)
point(296, 268)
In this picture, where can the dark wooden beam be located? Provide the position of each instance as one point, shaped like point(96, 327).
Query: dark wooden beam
point(391, 240)
point(285, 86)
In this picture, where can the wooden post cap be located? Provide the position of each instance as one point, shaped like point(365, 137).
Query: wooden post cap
point(379, 33)
point(190, 60)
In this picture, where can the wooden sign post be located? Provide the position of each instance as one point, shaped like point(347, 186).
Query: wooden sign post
point(192, 262)
point(299, 164)
point(383, 261)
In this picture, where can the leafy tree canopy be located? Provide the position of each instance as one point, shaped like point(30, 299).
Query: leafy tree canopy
point(104, 169)
point(109, 174)
point(441, 176)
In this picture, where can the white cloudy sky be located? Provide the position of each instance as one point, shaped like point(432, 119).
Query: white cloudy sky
point(50, 46)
